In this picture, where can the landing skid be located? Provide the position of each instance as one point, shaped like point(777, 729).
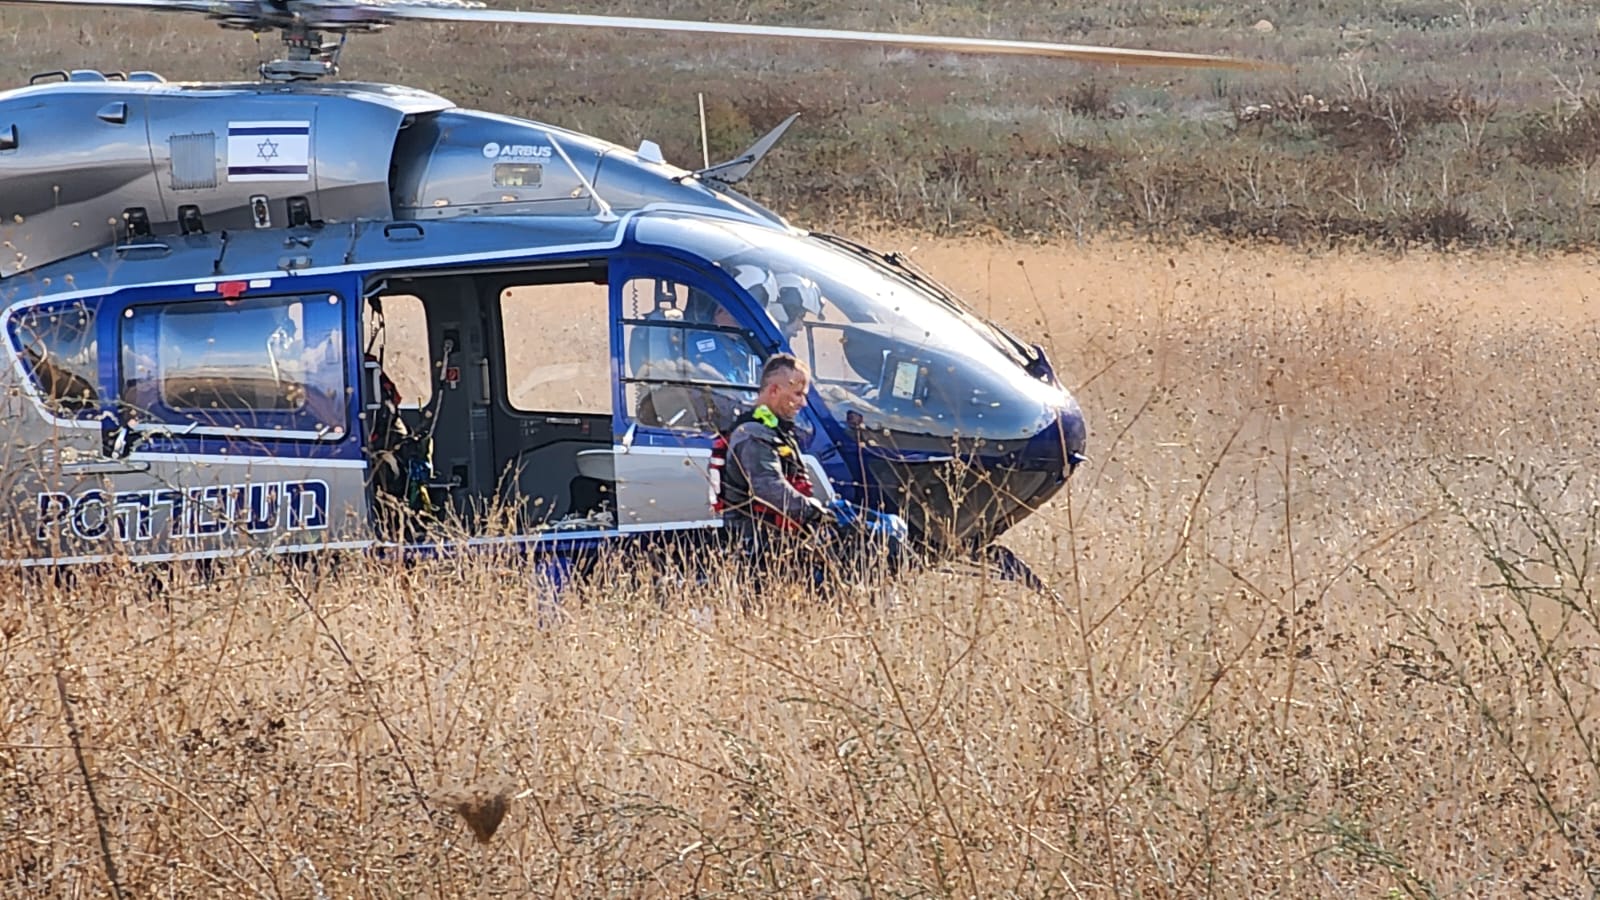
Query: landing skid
point(1011, 567)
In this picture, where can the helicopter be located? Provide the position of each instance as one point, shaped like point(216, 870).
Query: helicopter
point(206, 288)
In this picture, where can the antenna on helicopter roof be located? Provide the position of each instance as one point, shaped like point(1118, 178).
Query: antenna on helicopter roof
point(705, 146)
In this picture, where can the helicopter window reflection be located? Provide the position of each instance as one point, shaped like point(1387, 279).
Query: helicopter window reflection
point(256, 367)
point(690, 367)
point(557, 340)
point(823, 347)
point(58, 348)
point(885, 350)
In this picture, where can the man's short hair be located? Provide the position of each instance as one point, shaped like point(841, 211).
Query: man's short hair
point(779, 364)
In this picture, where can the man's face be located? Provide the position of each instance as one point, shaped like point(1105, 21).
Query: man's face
point(724, 319)
point(786, 395)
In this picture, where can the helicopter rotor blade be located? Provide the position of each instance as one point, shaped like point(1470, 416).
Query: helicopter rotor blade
point(356, 15)
point(1079, 52)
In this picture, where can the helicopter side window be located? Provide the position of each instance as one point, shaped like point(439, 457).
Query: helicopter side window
point(690, 367)
point(60, 354)
point(557, 347)
point(256, 367)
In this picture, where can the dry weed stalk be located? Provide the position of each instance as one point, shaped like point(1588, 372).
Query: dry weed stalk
point(75, 739)
point(483, 805)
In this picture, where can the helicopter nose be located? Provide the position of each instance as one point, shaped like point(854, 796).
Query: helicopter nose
point(1072, 433)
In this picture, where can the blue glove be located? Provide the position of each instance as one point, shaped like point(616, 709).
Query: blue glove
point(844, 515)
point(886, 526)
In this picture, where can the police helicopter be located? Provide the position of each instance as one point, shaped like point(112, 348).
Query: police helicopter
point(210, 292)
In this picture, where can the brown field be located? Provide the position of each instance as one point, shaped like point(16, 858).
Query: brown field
point(1328, 627)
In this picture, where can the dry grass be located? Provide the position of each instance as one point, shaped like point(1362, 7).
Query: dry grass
point(1328, 629)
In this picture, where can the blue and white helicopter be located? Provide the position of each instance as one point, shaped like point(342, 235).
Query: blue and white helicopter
point(298, 315)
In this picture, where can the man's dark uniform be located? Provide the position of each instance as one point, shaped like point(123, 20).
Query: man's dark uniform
point(765, 496)
point(764, 488)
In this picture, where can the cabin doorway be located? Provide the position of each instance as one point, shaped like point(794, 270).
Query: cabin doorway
point(505, 380)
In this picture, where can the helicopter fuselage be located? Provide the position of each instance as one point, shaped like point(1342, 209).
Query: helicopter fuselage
point(206, 288)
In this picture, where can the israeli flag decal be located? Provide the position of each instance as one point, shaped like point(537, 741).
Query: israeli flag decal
point(269, 151)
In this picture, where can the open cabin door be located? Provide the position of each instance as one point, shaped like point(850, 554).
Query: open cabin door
point(505, 375)
point(689, 367)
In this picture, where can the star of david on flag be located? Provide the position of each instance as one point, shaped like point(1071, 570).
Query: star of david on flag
point(269, 151)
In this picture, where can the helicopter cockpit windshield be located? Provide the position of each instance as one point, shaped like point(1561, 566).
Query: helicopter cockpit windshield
point(886, 355)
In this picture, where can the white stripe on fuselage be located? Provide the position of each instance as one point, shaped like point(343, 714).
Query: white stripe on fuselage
point(236, 552)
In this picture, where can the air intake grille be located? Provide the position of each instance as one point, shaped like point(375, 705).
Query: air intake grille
point(194, 161)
